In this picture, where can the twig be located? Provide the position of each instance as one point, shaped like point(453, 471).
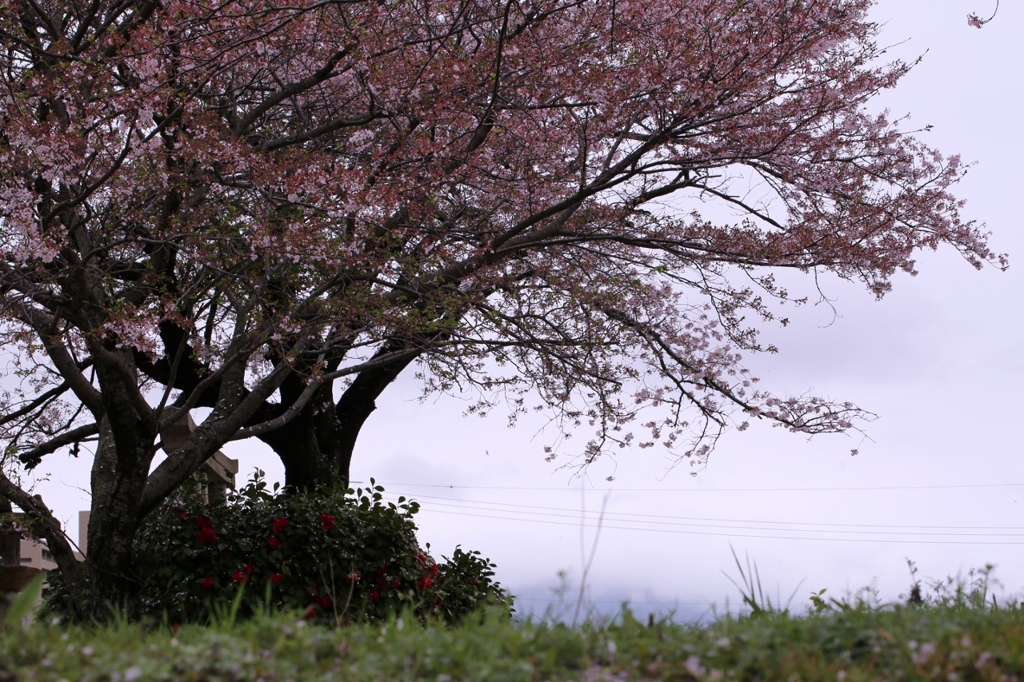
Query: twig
point(977, 22)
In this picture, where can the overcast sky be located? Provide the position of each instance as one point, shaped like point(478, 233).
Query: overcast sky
point(938, 479)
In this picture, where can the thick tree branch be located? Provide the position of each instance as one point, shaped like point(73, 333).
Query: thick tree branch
point(50, 528)
point(33, 457)
point(319, 76)
point(35, 403)
point(383, 362)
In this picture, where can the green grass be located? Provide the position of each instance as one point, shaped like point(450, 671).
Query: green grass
point(947, 641)
point(954, 630)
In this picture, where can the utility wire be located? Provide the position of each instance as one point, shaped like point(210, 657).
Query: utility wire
point(727, 527)
point(575, 513)
point(732, 535)
point(710, 490)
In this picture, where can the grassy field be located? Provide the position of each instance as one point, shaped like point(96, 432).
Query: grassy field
point(957, 638)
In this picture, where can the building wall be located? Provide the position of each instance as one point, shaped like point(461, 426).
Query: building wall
point(36, 555)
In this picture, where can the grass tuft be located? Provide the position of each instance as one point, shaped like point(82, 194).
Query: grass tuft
point(954, 630)
point(933, 641)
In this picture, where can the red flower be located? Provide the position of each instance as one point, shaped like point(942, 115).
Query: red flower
point(424, 582)
point(206, 534)
point(325, 602)
point(438, 602)
point(327, 521)
point(383, 569)
point(374, 596)
point(183, 515)
point(396, 582)
point(207, 583)
point(249, 568)
point(279, 524)
point(203, 522)
point(382, 583)
point(434, 569)
point(238, 577)
point(311, 614)
point(421, 559)
point(273, 542)
point(276, 578)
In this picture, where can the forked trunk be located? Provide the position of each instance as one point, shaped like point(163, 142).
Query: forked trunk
point(109, 571)
point(310, 446)
point(316, 447)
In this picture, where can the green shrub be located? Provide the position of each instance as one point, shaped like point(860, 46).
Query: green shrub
point(339, 557)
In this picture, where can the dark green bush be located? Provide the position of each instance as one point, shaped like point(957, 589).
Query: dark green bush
point(339, 557)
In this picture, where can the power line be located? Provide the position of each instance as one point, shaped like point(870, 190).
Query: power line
point(733, 535)
point(576, 513)
point(592, 517)
point(711, 490)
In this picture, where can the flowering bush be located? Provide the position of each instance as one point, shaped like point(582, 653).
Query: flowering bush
point(337, 557)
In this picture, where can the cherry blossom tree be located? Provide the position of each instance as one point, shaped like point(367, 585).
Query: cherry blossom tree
point(271, 210)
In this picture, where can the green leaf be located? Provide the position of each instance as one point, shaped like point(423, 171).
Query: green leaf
point(26, 600)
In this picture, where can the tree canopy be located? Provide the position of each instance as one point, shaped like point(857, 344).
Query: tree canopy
point(273, 209)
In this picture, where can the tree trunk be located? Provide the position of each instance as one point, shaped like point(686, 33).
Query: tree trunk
point(113, 523)
point(316, 447)
point(124, 452)
point(309, 445)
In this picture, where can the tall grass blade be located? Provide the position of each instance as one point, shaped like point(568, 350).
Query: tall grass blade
point(24, 602)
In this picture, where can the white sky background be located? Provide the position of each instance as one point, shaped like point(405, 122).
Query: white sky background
point(939, 480)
